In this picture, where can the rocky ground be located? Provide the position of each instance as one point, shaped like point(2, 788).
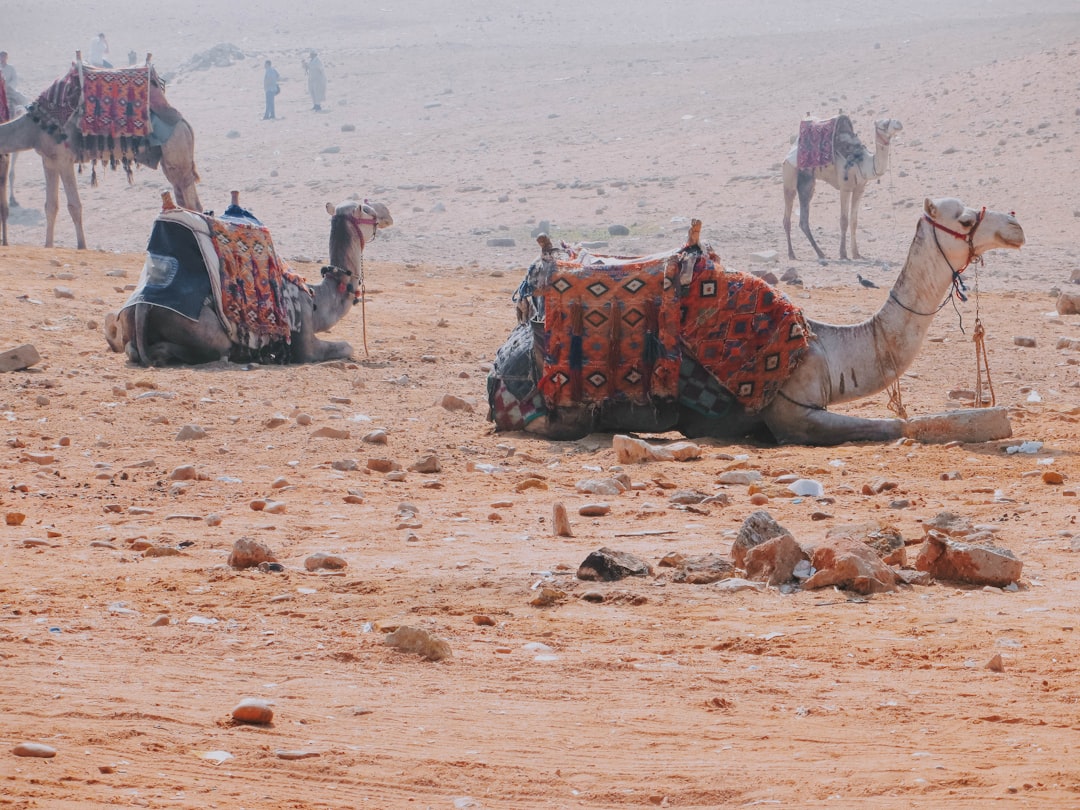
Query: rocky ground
point(128, 640)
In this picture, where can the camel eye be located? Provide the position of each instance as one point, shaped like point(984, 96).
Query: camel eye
point(967, 222)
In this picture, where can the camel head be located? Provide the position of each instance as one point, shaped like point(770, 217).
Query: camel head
point(352, 226)
point(964, 234)
point(885, 128)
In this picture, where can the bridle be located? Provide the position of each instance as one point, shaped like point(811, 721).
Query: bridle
point(357, 223)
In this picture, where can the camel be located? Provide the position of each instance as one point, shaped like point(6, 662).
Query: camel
point(848, 174)
point(155, 335)
point(5, 165)
point(176, 157)
point(841, 363)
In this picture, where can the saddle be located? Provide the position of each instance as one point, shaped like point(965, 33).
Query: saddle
point(229, 263)
point(821, 141)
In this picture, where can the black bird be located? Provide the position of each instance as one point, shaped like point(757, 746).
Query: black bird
point(866, 282)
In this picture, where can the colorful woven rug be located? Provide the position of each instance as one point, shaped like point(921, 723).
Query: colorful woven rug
point(259, 291)
point(610, 332)
point(742, 330)
point(116, 103)
point(817, 140)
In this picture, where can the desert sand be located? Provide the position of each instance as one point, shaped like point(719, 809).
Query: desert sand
point(477, 121)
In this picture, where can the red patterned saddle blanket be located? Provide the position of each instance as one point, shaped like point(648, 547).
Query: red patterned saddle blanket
point(617, 329)
point(259, 291)
point(820, 141)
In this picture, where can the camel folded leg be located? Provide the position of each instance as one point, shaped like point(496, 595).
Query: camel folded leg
point(794, 423)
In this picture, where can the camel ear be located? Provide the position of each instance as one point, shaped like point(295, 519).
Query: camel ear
point(330, 209)
point(930, 208)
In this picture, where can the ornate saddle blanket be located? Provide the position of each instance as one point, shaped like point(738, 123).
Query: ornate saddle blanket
point(820, 141)
point(119, 115)
point(608, 329)
point(229, 262)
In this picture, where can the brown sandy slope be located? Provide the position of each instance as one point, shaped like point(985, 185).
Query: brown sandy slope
point(473, 124)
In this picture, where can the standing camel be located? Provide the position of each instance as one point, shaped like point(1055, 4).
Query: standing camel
point(61, 146)
point(848, 174)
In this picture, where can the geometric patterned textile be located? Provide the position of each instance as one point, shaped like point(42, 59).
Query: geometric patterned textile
point(610, 331)
point(54, 108)
point(258, 289)
point(743, 331)
point(116, 103)
point(817, 140)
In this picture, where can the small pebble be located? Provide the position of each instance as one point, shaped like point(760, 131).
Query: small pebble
point(280, 754)
point(161, 621)
point(594, 509)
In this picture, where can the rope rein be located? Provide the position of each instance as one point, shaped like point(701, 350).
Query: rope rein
point(359, 288)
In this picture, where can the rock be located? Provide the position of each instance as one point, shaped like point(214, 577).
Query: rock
point(630, 450)
point(375, 437)
point(758, 527)
point(14, 518)
point(759, 499)
point(1053, 477)
point(1067, 343)
point(185, 472)
point(995, 664)
point(951, 524)
point(190, 432)
point(382, 465)
point(331, 562)
point(594, 510)
point(303, 419)
point(248, 553)
point(501, 241)
point(530, 483)
point(773, 562)
point(878, 485)
point(213, 519)
point(547, 597)
point(419, 641)
point(454, 403)
point(426, 464)
point(739, 477)
point(764, 257)
point(253, 710)
point(162, 620)
point(1068, 303)
point(703, 569)
point(687, 496)
point(974, 564)
point(600, 486)
point(806, 488)
point(344, 465)
point(299, 754)
point(736, 584)
point(606, 565)
point(1022, 340)
point(275, 421)
point(909, 576)
point(850, 564)
point(973, 425)
point(684, 451)
point(330, 433)
point(483, 621)
point(560, 521)
point(886, 541)
point(19, 358)
point(618, 230)
point(161, 551)
point(29, 749)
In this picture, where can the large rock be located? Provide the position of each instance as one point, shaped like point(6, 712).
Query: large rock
point(1068, 304)
point(606, 565)
point(884, 539)
point(704, 569)
point(774, 561)
point(758, 527)
point(630, 450)
point(850, 564)
point(972, 425)
point(974, 564)
point(248, 553)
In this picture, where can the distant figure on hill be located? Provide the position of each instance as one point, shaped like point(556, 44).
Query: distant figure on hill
point(270, 84)
point(99, 49)
point(316, 80)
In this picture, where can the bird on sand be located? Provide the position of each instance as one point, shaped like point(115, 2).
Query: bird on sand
point(866, 282)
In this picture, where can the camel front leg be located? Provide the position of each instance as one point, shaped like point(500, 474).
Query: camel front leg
point(845, 208)
point(52, 201)
point(11, 182)
point(313, 350)
point(795, 423)
point(856, 199)
point(789, 202)
point(74, 204)
point(5, 160)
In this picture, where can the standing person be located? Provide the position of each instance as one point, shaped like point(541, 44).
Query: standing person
point(11, 79)
point(316, 80)
point(99, 49)
point(270, 84)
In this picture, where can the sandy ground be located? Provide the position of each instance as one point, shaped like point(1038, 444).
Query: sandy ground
point(476, 123)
